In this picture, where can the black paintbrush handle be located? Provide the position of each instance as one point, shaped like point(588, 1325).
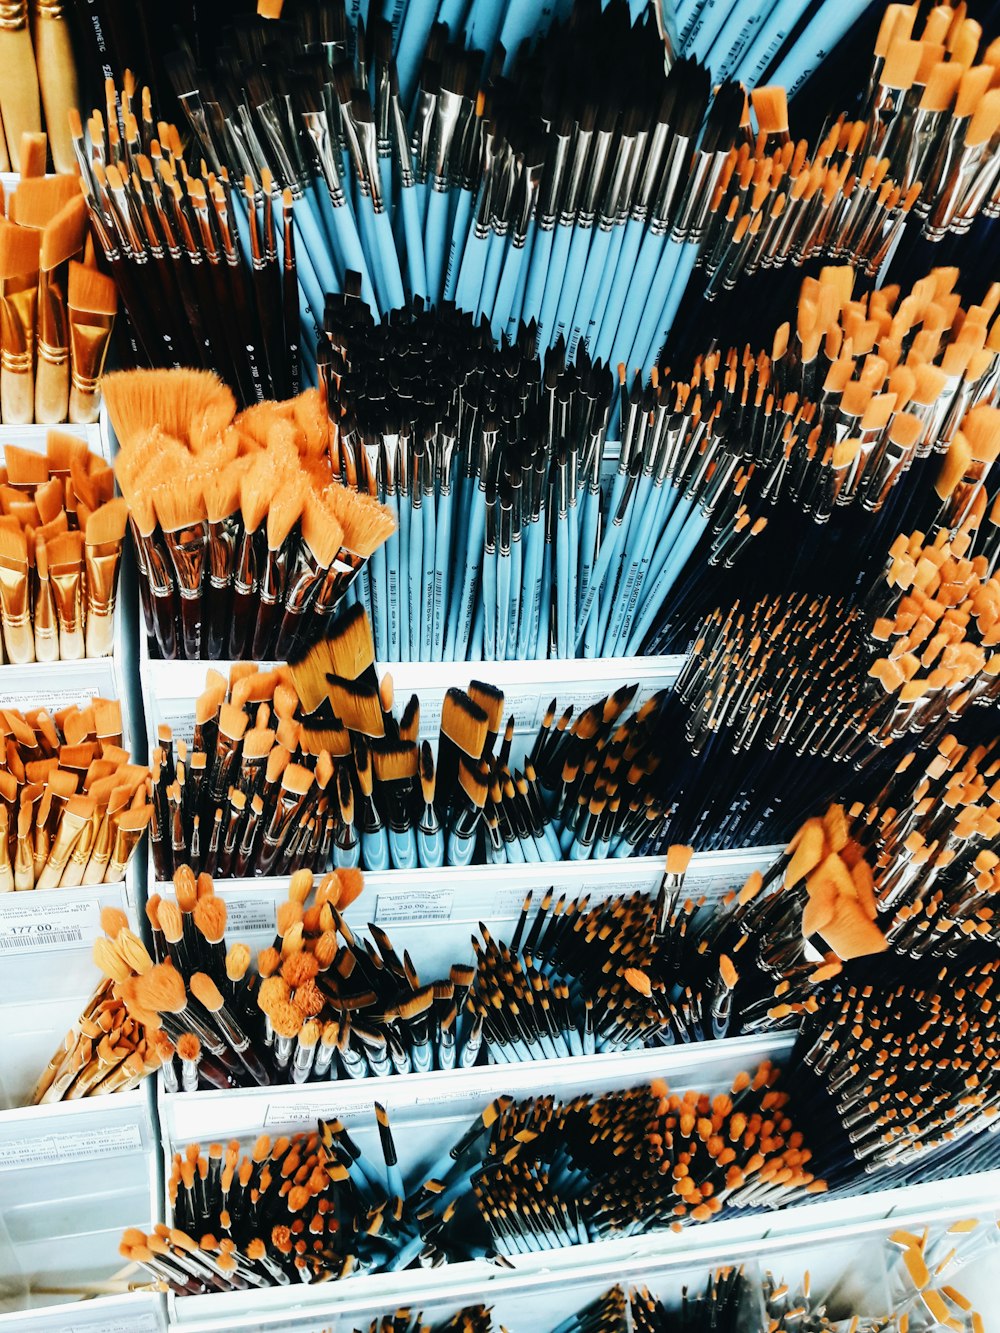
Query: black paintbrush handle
point(245, 324)
point(267, 291)
point(293, 330)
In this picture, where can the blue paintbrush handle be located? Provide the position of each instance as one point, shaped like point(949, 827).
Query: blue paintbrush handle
point(403, 849)
point(562, 586)
point(459, 237)
point(576, 267)
point(416, 267)
point(531, 580)
point(375, 850)
point(482, 24)
point(635, 597)
point(461, 850)
point(516, 584)
point(529, 852)
point(489, 605)
point(579, 851)
point(430, 847)
point(588, 542)
point(503, 605)
point(517, 305)
point(608, 549)
point(768, 39)
point(668, 313)
point(435, 237)
point(314, 242)
point(541, 636)
point(347, 856)
point(474, 652)
point(520, 22)
point(380, 614)
point(615, 571)
point(416, 579)
point(465, 490)
point(607, 330)
point(656, 296)
point(503, 306)
point(491, 274)
point(308, 282)
point(574, 576)
point(474, 557)
point(593, 276)
point(430, 579)
point(592, 330)
point(639, 534)
point(692, 534)
point(534, 291)
point(567, 837)
point(514, 852)
point(470, 280)
point(558, 260)
point(658, 570)
point(352, 252)
point(405, 655)
point(591, 632)
point(392, 279)
point(442, 569)
point(412, 43)
point(392, 579)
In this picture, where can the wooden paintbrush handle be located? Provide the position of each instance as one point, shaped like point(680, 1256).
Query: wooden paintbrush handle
point(57, 78)
point(19, 98)
point(51, 388)
point(4, 158)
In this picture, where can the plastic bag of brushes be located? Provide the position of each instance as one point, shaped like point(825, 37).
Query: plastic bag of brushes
point(60, 552)
point(928, 1272)
point(364, 1217)
point(109, 1048)
point(470, 1319)
point(245, 541)
point(74, 808)
point(851, 408)
point(53, 301)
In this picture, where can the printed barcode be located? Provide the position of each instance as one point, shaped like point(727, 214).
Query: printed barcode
point(32, 941)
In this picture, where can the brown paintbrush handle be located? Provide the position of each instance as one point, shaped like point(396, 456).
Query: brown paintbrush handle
point(20, 103)
point(51, 385)
point(57, 79)
point(4, 158)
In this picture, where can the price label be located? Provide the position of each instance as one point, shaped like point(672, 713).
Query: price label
point(414, 905)
point(79, 1146)
point(144, 1323)
point(47, 925)
point(281, 1114)
point(251, 916)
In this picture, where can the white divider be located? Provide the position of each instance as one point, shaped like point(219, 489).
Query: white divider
point(72, 1177)
point(33, 437)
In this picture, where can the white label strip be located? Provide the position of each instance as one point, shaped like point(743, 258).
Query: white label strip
point(29, 924)
point(80, 1146)
point(144, 1323)
point(250, 916)
point(414, 905)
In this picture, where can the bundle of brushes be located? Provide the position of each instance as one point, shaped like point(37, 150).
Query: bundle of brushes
point(490, 460)
point(526, 1177)
point(244, 540)
point(894, 1071)
point(73, 808)
point(470, 1319)
point(57, 310)
point(107, 1049)
point(825, 687)
point(308, 766)
point(838, 434)
point(36, 53)
point(61, 538)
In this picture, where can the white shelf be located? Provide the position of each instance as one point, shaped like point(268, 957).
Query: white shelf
point(72, 1177)
point(33, 437)
point(536, 1303)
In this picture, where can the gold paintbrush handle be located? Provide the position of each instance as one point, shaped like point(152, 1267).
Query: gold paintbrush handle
point(57, 78)
point(20, 102)
point(51, 385)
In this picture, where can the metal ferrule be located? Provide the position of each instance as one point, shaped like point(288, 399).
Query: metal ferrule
point(553, 180)
point(718, 482)
point(128, 223)
point(982, 186)
point(270, 118)
point(227, 234)
point(447, 115)
point(303, 579)
point(666, 195)
point(924, 141)
point(187, 547)
point(693, 212)
point(204, 223)
point(194, 109)
point(302, 1062)
point(403, 463)
point(506, 524)
point(445, 461)
point(575, 181)
point(348, 460)
point(253, 159)
point(400, 143)
point(317, 130)
point(506, 174)
point(614, 201)
point(484, 207)
point(371, 180)
point(647, 171)
point(423, 126)
point(596, 164)
point(530, 183)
